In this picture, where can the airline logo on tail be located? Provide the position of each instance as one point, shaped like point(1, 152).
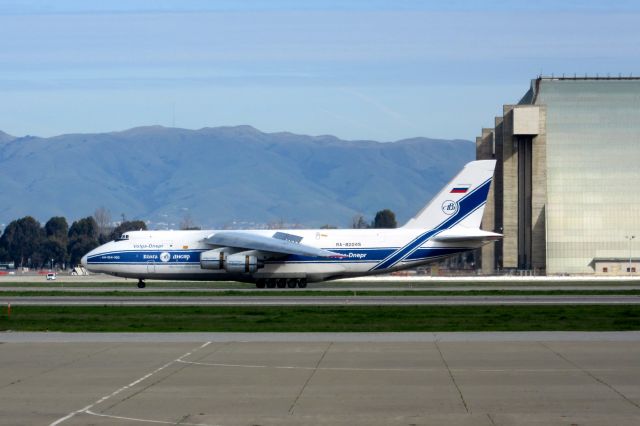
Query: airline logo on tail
point(450, 207)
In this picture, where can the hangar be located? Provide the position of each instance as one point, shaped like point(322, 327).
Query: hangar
point(566, 193)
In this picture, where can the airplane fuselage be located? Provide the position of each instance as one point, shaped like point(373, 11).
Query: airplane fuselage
point(176, 255)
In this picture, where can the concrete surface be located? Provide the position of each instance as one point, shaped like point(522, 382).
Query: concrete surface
point(276, 300)
point(484, 382)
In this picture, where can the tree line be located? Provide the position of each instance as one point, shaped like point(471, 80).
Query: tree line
point(383, 219)
point(27, 243)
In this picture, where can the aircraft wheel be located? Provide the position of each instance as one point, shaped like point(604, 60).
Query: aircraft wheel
point(260, 284)
point(141, 284)
point(302, 283)
point(281, 283)
point(292, 283)
point(271, 283)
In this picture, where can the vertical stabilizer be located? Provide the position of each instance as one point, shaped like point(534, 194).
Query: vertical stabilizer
point(461, 202)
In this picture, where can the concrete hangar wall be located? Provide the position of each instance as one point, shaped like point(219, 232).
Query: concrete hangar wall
point(566, 193)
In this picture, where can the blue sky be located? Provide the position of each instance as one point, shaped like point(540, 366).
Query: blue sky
point(382, 70)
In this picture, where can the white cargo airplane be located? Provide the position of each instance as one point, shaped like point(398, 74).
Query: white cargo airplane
point(448, 225)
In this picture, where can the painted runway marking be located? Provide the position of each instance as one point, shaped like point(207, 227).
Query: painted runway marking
point(399, 369)
point(130, 385)
point(133, 419)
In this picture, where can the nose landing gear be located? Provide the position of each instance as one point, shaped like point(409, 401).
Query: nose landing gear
point(141, 283)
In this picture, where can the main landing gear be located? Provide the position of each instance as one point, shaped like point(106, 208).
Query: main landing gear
point(141, 283)
point(281, 283)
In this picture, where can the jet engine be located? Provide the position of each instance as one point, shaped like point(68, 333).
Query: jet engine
point(242, 262)
point(213, 259)
point(230, 260)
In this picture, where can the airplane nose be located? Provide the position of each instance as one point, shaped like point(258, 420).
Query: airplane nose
point(83, 261)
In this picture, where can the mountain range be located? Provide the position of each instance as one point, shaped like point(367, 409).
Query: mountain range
point(221, 177)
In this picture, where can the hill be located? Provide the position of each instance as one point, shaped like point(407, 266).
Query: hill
point(221, 175)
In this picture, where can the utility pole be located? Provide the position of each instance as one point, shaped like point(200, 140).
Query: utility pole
point(630, 238)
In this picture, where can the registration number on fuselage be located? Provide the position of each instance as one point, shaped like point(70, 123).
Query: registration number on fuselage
point(349, 244)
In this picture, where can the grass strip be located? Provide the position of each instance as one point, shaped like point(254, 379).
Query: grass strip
point(322, 319)
point(328, 293)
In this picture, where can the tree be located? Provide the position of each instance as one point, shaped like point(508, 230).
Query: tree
point(102, 216)
point(385, 219)
point(188, 224)
point(132, 225)
point(79, 246)
point(84, 227)
point(83, 237)
point(21, 239)
point(57, 228)
point(358, 222)
point(53, 249)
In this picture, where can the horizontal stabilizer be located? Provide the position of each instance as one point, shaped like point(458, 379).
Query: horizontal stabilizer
point(250, 241)
point(464, 234)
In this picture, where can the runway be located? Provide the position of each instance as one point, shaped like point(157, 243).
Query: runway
point(276, 300)
point(473, 379)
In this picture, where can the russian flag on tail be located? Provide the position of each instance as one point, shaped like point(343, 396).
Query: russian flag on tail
point(460, 189)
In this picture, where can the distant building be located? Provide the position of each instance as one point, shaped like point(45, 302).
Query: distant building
point(566, 193)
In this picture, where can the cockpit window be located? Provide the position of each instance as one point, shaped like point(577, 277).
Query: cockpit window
point(123, 237)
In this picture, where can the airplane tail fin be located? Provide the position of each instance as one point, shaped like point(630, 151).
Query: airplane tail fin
point(460, 204)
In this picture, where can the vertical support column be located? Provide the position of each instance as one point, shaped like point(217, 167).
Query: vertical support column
point(486, 254)
point(498, 185)
point(539, 196)
point(524, 201)
point(510, 191)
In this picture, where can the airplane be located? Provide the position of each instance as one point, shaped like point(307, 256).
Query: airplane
point(446, 226)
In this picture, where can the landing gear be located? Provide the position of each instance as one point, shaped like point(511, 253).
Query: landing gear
point(141, 283)
point(282, 283)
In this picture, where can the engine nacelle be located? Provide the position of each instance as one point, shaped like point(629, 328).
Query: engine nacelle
point(213, 259)
point(231, 260)
point(243, 263)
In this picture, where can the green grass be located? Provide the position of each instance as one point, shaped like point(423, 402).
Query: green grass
point(315, 293)
point(322, 319)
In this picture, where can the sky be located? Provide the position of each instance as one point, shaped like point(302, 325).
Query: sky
point(381, 70)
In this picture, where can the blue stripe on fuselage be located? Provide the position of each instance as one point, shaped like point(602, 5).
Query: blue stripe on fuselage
point(145, 256)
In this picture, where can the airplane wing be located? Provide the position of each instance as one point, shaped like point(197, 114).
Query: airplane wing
point(249, 241)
